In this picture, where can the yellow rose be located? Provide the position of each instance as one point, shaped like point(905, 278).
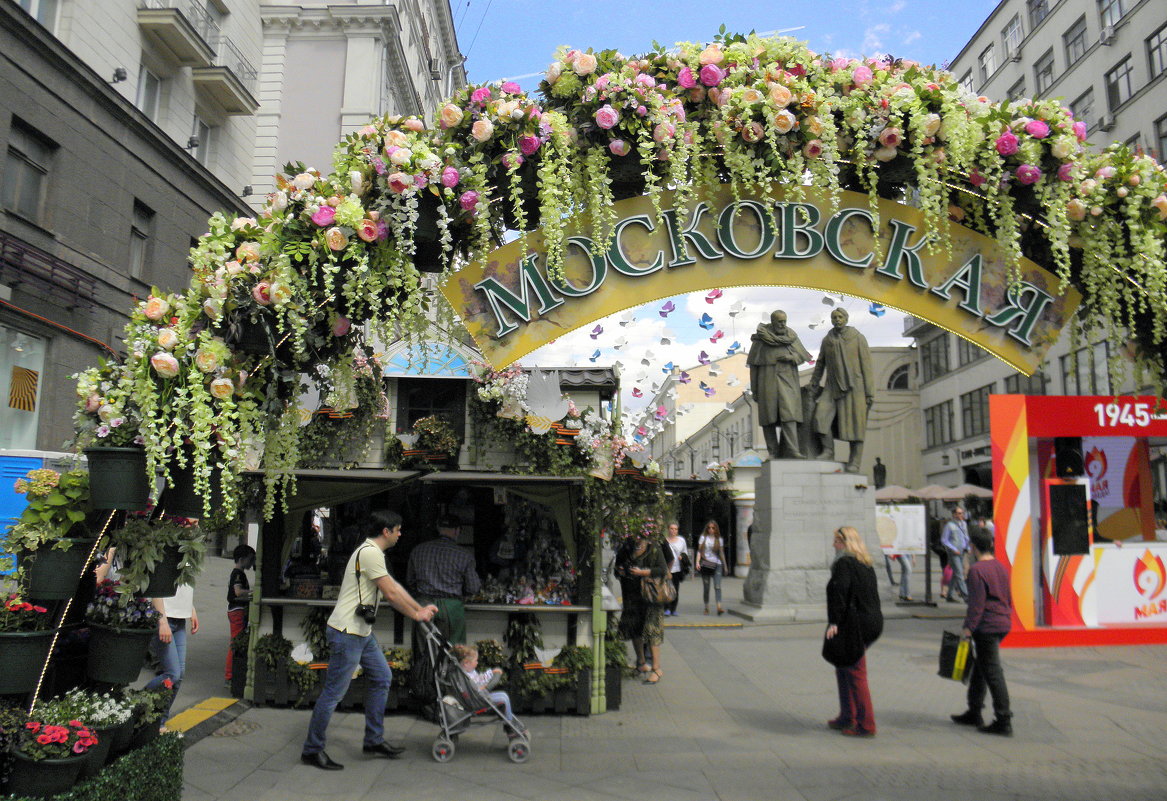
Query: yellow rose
point(751, 95)
point(711, 55)
point(248, 251)
point(206, 360)
point(396, 139)
point(222, 388)
point(482, 130)
point(585, 64)
point(780, 95)
point(156, 308)
point(450, 115)
point(167, 338)
point(336, 239)
point(784, 121)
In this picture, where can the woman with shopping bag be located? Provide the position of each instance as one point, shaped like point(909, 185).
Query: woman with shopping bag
point(640, 562)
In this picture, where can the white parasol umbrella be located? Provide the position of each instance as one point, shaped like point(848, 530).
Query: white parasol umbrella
point(963, 491)
point(932, 492)
point(893, 492)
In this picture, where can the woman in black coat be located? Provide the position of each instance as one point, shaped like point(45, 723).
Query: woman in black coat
point(641, 621)
point(855, 622)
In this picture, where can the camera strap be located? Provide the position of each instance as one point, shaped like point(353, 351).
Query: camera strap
point(360, 597)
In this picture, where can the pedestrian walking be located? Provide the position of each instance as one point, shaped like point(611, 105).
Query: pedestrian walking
point(954, 540)
point(711, 563)
point(988, 621)
point(679, 564)
point(238, 596)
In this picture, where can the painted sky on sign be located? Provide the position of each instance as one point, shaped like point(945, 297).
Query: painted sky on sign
point(515, 39)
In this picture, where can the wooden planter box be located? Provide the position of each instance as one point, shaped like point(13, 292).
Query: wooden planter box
point(271, 687)
point(614, 678)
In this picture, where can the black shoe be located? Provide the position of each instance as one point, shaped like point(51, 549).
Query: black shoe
point(952, 600)
point(320, 760)
point(998, 726)
point(969, 718)
point(384, 749)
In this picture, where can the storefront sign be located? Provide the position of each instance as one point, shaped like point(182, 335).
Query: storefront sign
point(512, 306)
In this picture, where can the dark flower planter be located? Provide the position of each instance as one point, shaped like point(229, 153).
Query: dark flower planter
point(98, 754)
point(252, 338)
point(120, 739)
point(53, 575)
point(145, 733)
point(528, 178)
point(116, 654)
point(613, 677)
point(22, 656)
point(164, 579)
point(117, 478)
point(179, 498)
point(43, 778)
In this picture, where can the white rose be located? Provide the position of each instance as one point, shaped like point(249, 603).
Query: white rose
point(932, 124)
point(401, 156)
point(167, 338)
point(1064, 147)
point(886, 153)
point(356, 181)
point(304, 180)
point(553, 72)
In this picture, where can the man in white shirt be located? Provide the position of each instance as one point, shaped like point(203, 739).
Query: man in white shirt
point(351, 641)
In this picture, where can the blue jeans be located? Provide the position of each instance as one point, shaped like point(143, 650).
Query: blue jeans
point(499, 698)
point(905, 574)
point(345, 652)
point(172, 655)
point(716, 577)
point(958, 586)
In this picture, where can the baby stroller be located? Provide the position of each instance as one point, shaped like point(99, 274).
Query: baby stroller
point(462, 705)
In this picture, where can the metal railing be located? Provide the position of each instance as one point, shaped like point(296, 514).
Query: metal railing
point(195, 13)
point(233, 59)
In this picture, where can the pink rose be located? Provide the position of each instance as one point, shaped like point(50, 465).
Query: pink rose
point(367, 230)
point(1028, 174)
point(1076, 210)
point(1079, 129)
point(336, 239)
point(696, 94)
point(1038, 129)
point(529, 144)
point(663, 131)
point(324, 216)
point(813, 149)
point(164, 364)
point(222, 388)
point(837, 64)
point(607, 117)
point(421, 180)
point(92, 403)
point(399, 181)
point(261, 293)
point(450, 177)
point(685, 78)
point(414, 124)
point(1066, 172)
point(482, 130)
point(512, 160)
point(247, 251)
point(753, 132)
point(861, 75)
point(341, 325)
point(1104, 172)
point(891, 137)
point(468, 200)
point(712, 75)
point(511, 88)
point(976, 179)
point(618, 147)
point(1007, 143)
point(480, 95)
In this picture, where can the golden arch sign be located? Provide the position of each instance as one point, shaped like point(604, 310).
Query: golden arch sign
point(511, 305)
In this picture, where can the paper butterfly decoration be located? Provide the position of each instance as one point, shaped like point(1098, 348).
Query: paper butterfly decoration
point(716, 336)
point(661, 412)
point(737, 308)
point(708, 390)
point(705, 322)
point(620, 342)
point(668, 367)
point(637, 392)
point(599, 329)
point(667, 308)
point(648, 357)
point(732, 381)
point(684, 378)
point(877, 310)
point(594, 356)
point(734, 348)
point(714, 372)
point(703, 357)
point(713, 295)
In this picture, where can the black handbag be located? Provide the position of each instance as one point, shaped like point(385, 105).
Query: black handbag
point(845, 648)
point(686, 565)
point(956, 657)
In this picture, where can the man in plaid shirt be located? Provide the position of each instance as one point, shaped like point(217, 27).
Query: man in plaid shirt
point(442, 572)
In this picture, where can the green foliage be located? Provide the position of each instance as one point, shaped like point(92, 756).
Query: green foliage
point(150, 773)
point(435, 434)
point(274, 650)
point(523, 635)
point(305, 680)
point(340, 440)
point(490, 654)
point(575, 658)
point(57, 505)
point(142, 542)
point(314, 626)
point(150, 705)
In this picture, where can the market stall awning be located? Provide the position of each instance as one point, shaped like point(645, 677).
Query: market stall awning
point(321, 487)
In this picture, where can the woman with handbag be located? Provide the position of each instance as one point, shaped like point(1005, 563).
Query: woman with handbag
point(711, 563)
point(642, 620)
point(677, 554)
point(855, 622)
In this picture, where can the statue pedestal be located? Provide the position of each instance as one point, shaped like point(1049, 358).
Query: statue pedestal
point(797, 506)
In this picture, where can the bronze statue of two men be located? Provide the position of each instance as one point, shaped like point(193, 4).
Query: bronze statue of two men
point(842, 388)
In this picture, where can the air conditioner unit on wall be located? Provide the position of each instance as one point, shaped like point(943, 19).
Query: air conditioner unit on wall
point(1015, 55)
point(1107, 35)
point(1106, 123)
point(435, 71)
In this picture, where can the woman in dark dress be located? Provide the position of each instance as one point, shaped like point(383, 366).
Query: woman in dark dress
point(642, 622)
point(853, 612)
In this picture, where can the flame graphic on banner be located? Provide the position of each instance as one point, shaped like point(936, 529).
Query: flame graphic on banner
point(1150, 576)
point(1096, 463)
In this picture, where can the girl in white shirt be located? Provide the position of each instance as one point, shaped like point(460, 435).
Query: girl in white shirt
point(678, 548)
point(711, 563)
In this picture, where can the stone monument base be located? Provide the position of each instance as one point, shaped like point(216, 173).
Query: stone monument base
point(798, 505)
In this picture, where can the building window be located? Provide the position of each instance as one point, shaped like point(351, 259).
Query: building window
point(901, 377)
point(1133, 143)
point(1083, 109)
point(149, 93)
point(1110, 11)
point(22, 358)
point(1038, 10)
point(968, 352)
point(1161, 137)
point(1119, 87)
point(938, 424)
point(1043, 73)
point(1084, 371)
point(43, 11)
point(1018, 384)
point(1075, 41)
point(140, 229)
point(1157, 52)
point(1011, 36)
point(423, 397)
point(974, 411)
point(26, 171)
point(987, 63)
point(934, 358)
point(967, 82)
point(1017, 90)
point(205, 134)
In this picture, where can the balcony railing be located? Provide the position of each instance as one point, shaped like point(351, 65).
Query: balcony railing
point(45, 275)
point(183, 30)
point(195, 13)
point(230, 81)
point(232, 58)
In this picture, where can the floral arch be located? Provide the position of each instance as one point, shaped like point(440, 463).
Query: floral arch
point(330, 256)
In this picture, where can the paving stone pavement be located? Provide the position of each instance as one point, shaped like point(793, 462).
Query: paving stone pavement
point(740, 715)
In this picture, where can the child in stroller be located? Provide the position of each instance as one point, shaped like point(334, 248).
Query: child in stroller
point(465, 699)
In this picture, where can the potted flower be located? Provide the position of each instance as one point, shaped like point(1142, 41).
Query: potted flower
point(120, 628)
point(50, 537)
point(108, 424)
point(25, 637)
point(435, 436)
point(49, 757)
point(109, 717)
point(149, 706)
point(158, 554)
